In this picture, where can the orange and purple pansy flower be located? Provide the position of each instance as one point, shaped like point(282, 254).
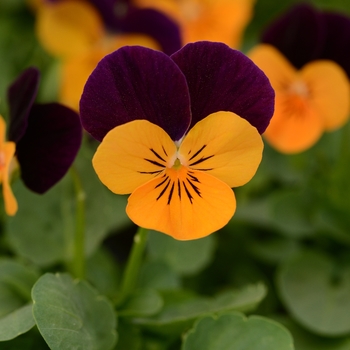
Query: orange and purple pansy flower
point(305, 54)
point(44, 138)
point(177, 132)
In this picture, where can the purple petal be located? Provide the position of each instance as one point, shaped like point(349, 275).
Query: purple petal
point(49, 146)
point(337, 42)
point(136, 83)
point(21, 95)
point(299, 34)
point(156, 25)
point(223, 79)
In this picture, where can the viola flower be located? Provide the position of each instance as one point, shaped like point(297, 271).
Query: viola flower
point(75, 32)
point(219, 20)
point(44, 138)
point(177, 132)
point(312, 90)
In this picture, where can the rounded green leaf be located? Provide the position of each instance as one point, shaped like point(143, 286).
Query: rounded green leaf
point(186, 258)
point(143, 302)
point(181, 309)
point(305, 340)
point(16, 323)
point(71, 315)
point(316, 292)
point(16, 282)
point(234, 331)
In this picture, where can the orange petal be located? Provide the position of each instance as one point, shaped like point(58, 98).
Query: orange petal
point(225, 146)
point(183, 203)
point(219, 20)
point(295, 126)
point(132, 154)
point(7, 152)
point(277, 68)
point(329, 92)
point(68, 28)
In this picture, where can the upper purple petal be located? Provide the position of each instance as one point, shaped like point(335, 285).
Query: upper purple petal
point(49, 146)
point(298, 34)
point(337, 42)
point(136, 83)
point(156, 25)
point(21, 95)
point(222, 79)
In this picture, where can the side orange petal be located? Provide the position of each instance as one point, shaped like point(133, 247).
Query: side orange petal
point(295, 126)
point(329, 92)
point(182, 203)
point(9, 198)
point(277, 68)
point(225, 146)
point(132, 154)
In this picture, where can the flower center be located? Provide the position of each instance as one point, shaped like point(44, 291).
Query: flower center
point(299, 88)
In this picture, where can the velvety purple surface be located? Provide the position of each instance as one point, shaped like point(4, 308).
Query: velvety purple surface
point(49, 145)
point(305, 33)
point(337, 42)
point(299, 34)
point(21, 95)
point(136, 83)
point(222, 79)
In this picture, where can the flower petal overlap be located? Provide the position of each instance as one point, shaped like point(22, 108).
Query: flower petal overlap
point(177, 157)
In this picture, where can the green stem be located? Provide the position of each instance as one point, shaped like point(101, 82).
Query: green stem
point(132, 268)
point(79, 239)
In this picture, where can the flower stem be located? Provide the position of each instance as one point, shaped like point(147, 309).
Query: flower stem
point(79, 239)
point(132, 268)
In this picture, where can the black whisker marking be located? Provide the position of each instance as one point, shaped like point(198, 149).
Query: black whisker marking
point(171, 192)
point(150, 172)
point(195, 188)
point(164, 151)
point(205, 169)
point(200, 150)
point(201, 160)
point(156, 154)
point(164, 189)
point(193, 178)
point(179, 188)
point(160, 184)
point(187, 192)
point(154, 162)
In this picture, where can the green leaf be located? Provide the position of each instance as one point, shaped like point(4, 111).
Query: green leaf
point(16, 323)
point(144, 302)
point(16, 281)
point(185, 258)
point(181, 309)
point(234, 331)
point(159, 276)
point(72, 315)
point(105, 211)
point(245, 299)
point(305, 340)
point(40, 222)
point(316, 292)
point(103, 272)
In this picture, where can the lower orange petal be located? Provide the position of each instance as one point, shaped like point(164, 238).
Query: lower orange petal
point(183, 203)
